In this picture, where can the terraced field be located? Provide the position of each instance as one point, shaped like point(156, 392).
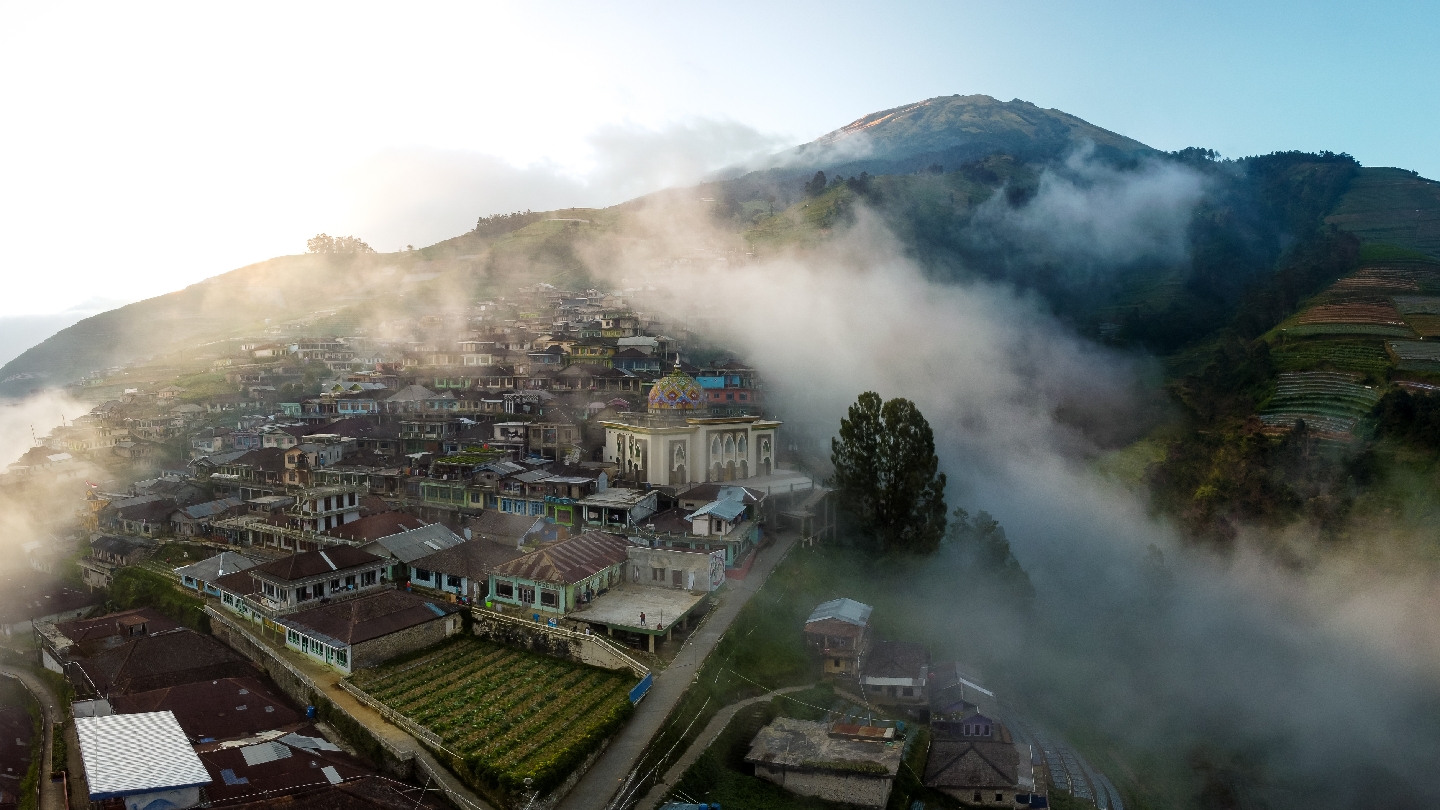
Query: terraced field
point(1361, 355)
point(1330, 402)
point(1416, 355)
point(509, 714)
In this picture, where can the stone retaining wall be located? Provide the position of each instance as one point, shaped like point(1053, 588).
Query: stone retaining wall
point(556, 642)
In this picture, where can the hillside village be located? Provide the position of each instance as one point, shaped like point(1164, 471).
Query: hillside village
point(461, 561)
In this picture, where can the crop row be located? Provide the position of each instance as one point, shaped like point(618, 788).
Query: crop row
point(1415, 349)
point(1323, 424)
point(1424, 325)
point(1312, 329)
point(1381, 313)
point(1418, 304)
point(1366, 356)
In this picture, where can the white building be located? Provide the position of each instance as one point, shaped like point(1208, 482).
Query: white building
point(677, 442)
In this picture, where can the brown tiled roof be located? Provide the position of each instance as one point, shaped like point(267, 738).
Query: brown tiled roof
point(473, 559)
point(834, 627)
point(220, 709)
point(239, 582)
point(376, 526)
point(153, 512)
point(896, 659)
point(313, 563)
point(264, 458)
point(82, 630)
point(967, 764)
point(302, 770)
point(569, 561)
point(368, 617)
point(157, 661)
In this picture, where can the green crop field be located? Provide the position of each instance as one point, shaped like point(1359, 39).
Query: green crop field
point(505, 713)
point(1354, 354)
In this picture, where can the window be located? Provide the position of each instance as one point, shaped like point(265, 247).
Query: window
point(908, 692)
point(422, 575)
point(367, 578)
point(452, 581)
point(549, 598)
point(657, 574)
point(341, 658)
point(977, 797)
point(292, 637)
point(505, 589)
point(227, 598)
point(302, 594)
point(527, 595)
point(999, 797)
point(334, 585)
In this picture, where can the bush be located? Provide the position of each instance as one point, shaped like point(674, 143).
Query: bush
point(137, 587)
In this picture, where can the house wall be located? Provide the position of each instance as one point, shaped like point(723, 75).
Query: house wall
point(375, 651)
point(699, 572)
point(851, 788)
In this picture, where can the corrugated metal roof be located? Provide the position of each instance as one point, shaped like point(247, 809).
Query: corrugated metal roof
point(725, 509)
point(211, 569)
point(126, 754)
point(410, 546)
point(845, 610)
point(569, 561)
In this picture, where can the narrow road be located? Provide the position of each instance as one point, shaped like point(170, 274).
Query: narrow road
point(51, 797)
point(599, 784)
point(717, 724)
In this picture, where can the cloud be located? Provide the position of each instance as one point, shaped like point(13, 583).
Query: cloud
point(1095, 214)
point(1327, 676)
point(422, 196)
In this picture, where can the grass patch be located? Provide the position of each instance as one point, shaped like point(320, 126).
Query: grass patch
point(505, 714)
point(137, 587)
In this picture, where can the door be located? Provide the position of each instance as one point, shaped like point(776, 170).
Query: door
point(675, 578)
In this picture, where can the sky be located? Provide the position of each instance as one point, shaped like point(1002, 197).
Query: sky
point(148, 147)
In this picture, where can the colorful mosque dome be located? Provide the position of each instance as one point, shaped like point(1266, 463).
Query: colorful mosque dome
point(676, 391)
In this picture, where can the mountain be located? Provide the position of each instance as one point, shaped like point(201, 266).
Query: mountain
point(951, 131)
point(941, 172)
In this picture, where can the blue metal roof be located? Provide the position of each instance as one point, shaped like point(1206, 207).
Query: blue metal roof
point(725, 509)
point(846, 610)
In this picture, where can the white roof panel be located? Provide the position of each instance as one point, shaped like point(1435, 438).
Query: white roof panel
point(126, 754)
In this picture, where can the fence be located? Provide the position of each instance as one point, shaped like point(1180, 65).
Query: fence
point(585, 648)
point(393, 717)
point(643, 688)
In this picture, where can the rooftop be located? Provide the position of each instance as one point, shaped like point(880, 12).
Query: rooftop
point(615, 498)
point(209, 570)
point(817, 745)
point(368, 617)
point(376, 526)
point(846, 610)
point(126, 754)
point(474, 559)
point(219, 709)
point(621, 607)
point(569, 561)
point(315, 563)
point(411, 545)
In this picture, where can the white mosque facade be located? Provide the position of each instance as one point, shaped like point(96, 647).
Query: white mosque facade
point(676, 442)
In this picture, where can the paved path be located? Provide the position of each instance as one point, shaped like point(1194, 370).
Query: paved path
point(51, 796)
point(326, 681)
point(717, 725)
point(599, 784)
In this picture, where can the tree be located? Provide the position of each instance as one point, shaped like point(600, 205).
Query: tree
point(984, 548)
point(817, 184)
point(349, 245)
point(887, 475)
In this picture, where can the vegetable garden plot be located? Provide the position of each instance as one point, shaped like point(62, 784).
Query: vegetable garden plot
point(1329, 402)
point(1380, 313)
point(1416, 355)
point(1418, 304)
point(1379, 280)
point(1361, 355)
point(507, 713)
point(1424, 325)
point(1313, 329)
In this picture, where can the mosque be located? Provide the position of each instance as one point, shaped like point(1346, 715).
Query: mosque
point(677, 442)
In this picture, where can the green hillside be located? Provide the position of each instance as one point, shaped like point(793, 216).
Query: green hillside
point(1392, 206)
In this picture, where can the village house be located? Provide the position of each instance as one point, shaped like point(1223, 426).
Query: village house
point(107, 554)
point(555, 579)
point(196, 520)
point(976, 761)
point(62, 643)
point(370, 629)
point(289, 583)
point(463, 570)
point(200, 576)
point(854, 765)
point(139, 760)
point(401, 550)
point(838, 632)
point(618, 508)
point(896, 673)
